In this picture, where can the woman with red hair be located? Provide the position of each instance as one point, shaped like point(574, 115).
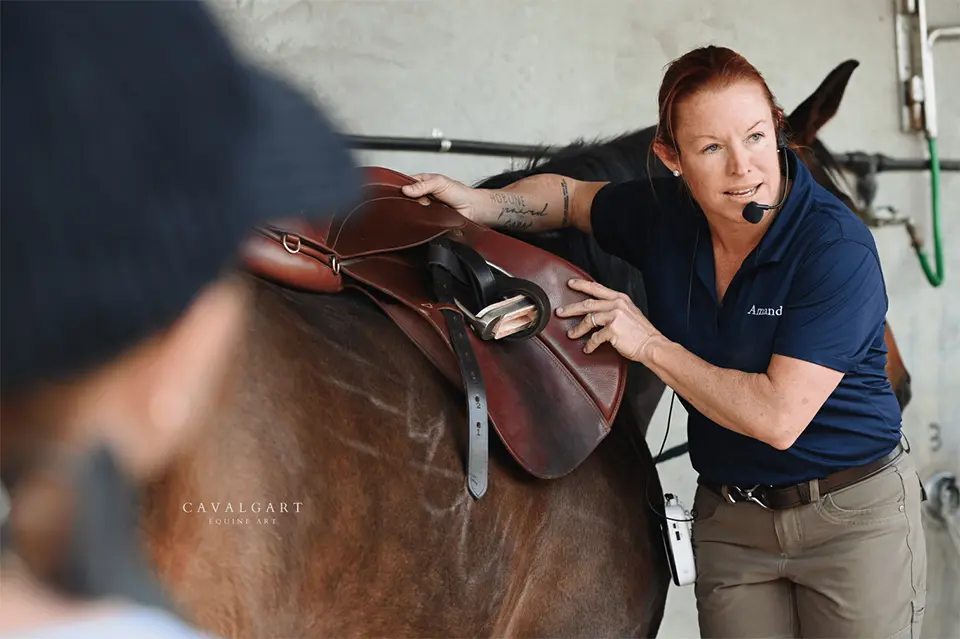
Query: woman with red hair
point(767, 308)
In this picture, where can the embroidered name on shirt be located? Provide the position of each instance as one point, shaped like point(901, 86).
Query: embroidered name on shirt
point(765, 311)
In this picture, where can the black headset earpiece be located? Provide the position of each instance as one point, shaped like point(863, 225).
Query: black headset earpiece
point(781, 139)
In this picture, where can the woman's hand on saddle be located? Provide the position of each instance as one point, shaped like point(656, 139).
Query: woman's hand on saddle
point(613, 317)
point(456, 195)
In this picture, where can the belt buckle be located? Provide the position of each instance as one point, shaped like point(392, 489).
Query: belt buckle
point(746, 495)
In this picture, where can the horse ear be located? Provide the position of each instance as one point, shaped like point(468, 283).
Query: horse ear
point(818, 109)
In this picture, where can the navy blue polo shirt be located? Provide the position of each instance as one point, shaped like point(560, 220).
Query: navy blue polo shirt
point(812, 289)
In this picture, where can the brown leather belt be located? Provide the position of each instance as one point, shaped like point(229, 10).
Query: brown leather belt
point(781, 497)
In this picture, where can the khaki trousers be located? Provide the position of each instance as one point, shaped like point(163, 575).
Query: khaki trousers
point(851, 564)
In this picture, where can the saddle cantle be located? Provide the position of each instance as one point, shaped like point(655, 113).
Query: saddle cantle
point(550, 403)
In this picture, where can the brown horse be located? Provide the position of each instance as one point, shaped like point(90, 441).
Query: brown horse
point(328, 498)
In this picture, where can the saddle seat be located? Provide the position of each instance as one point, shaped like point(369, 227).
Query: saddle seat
point(550, 403)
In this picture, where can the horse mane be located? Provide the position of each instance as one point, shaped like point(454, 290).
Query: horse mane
point(617, 159)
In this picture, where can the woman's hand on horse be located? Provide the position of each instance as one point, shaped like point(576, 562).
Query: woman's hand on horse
point(613, 317)
point(456, 195)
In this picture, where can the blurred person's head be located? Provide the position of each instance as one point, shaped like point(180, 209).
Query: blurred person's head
point(137, 154)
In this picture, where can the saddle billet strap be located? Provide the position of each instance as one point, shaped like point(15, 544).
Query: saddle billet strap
point(476, 394)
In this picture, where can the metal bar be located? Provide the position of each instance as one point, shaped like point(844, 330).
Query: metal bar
point(473, 147)
point(445, 145)
point(886, 163)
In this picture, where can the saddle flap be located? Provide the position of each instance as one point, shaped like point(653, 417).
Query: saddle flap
point(548, 438)
point(550, 403)
point(542, 414)
point(602, 373)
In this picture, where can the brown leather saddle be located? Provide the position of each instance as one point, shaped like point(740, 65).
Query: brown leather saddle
point(477, 303)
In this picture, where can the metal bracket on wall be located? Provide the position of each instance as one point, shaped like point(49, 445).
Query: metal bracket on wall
point(915, 42)
point(910, 29)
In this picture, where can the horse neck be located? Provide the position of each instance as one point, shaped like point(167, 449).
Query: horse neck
point(625, 157)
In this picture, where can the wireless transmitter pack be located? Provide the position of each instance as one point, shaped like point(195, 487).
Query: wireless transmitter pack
point(675, 526)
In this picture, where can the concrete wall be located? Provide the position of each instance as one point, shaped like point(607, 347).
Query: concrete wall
point(551, 71)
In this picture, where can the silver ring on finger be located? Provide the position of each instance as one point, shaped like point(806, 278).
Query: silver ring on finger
point(593, 321)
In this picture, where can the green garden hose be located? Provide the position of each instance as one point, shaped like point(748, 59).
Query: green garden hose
point(935, 278)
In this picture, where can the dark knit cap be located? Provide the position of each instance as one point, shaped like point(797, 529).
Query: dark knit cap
point(137, 153)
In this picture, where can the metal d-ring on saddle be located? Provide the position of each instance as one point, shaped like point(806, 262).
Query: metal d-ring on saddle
point(456, 270)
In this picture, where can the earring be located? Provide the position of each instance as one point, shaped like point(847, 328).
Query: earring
point(676, 173)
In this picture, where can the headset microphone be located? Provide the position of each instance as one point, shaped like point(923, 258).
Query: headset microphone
point(753, 212)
